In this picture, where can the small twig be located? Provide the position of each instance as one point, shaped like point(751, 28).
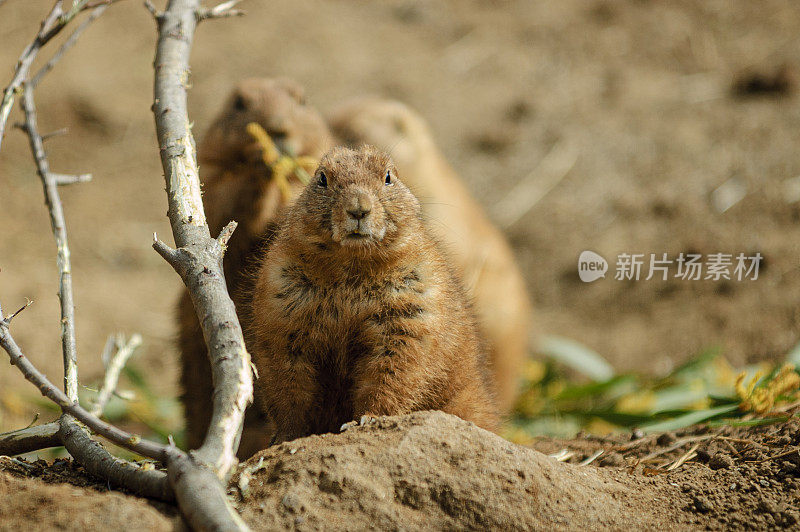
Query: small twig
point(53, 134)
point(563, 455)
point(591, 458)
point(34, 420)
point(47, 389)
point(28, 303)
point(152, 9)
point(730, 446)
point(99, 3)
point(66, 179)
point(677, 445)
point(225, 234)
point(225, 9)
point(71, 40)
point(688, 456)
point(770, 458)
point(113, 370)
point(53, 23)
point(18, 462)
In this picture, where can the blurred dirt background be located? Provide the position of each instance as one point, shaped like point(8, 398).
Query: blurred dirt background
point(623, 118)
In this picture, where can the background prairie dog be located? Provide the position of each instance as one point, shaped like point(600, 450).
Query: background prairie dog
point(355, 311)
point(237, 185)
point(478, 249)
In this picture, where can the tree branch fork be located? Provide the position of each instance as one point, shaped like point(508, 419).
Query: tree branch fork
point(194, 479)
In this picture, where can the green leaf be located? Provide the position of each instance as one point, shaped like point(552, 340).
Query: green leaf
point(563, 426)
point(623, 419)
point(690, 418)
point(676, 398)
point(695, 366)
point(577, 356)
point(609, 389)
point(733, 422)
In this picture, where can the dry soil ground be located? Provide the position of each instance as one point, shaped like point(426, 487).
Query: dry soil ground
point(629, 115)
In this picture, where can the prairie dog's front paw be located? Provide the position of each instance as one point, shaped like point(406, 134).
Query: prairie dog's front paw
point(367, 419)
point(347, 425)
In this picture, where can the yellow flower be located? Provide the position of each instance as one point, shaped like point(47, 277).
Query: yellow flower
point(763, 399)
point(283, 166)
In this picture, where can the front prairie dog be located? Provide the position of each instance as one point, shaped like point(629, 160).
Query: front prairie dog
point(237, 185)
point(356, 313)
point(480, 252)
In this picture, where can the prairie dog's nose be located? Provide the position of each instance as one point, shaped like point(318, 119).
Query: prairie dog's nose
point(359, 205)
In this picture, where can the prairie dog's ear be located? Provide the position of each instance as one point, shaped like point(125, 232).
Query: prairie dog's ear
point(293, 88)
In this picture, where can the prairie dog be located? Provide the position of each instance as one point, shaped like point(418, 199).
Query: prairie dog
point(478, 249)
point(238, 186)
point(355, 311)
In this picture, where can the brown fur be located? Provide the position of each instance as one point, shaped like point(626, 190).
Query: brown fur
point(355, 311)
point(237, 187)
point(479, 251)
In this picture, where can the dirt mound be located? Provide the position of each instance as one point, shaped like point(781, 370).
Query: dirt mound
point(740, 478)
point(34, 504)
point(432, 471)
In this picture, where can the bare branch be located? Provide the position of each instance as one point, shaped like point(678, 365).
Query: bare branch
point(225, 9)
point(69, 43)
point(100, 463)
point(65, 179)
point(198, 259)
point(168, 254)
point(113, 370)
point(197, 488)
point(194, 478)
point(201, 496)
point(47, 389)
point(30, 439)
point(196, 483)
point(53, 23)
point(28, 303)
point(53, 201)
point(152, 9)
point(226, 234)
point(56, 133)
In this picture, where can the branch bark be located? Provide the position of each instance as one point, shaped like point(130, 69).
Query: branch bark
point(30, 439)
point(59, 227)
point(198, 257)
point(196, 478)
point(113, 370)
point(74, 436)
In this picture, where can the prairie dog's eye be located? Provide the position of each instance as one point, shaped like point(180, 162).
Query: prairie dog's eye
point(388, 180)
point(322, 180)
point(239, 103)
